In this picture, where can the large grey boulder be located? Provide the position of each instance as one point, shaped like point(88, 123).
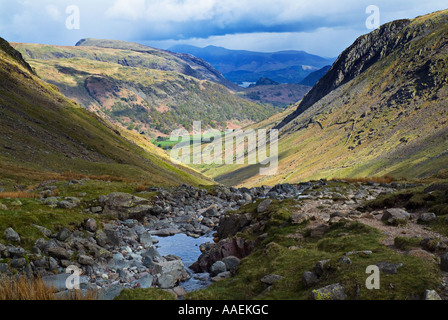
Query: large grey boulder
point(264, 205)
point(171, 273)
point(395, 216)
point(125, 206)
point(11, 235)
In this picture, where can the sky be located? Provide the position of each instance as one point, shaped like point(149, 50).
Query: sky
point(321, 27)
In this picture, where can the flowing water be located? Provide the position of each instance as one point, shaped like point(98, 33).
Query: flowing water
point(187, 248)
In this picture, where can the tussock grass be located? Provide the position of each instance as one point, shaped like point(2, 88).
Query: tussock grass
point(18, 194)
point(23, 288)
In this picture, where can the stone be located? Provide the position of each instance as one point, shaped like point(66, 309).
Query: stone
point(69, 203)
point(427, 217)
point(432, 295)
point(180, 291)
point(63, 235)
point(309, 279)
point(11, 235)
point(96, 210)
point(146, 239)
point(18, 263)
point(221, 276)
point(319, 268)
point(111, 233)
point(59, 253)
point(91, 225)
point(331, 292)
point(298, 218)
point(50, 201)
point(166, 281)
point(264, 205)
point(4, 268)
point(144, 282)
point(3, 207)
point(395, 216)
point(46, 232)
point(86, 260)
point(212, 211)
point(345, 259)
point(271, 279)
point(124, 206)
point(172, 272)
point(217, 268)
point(231, 263)
point(389, 268)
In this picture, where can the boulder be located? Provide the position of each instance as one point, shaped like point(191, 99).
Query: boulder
point(125, 206)
point(59, 253)
point(432, 295)
point(63, 235)
point(91, 225)
point(264, 205)
point(231, 263)
point(427, 217)
point(86, 260)
point(11, 235)
point(395, 216)
point(217, 268)
point(309, 279)
point(331, 292)
point(171, 273)
point(388, 267)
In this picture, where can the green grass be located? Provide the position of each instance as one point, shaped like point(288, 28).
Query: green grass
point(290, 257)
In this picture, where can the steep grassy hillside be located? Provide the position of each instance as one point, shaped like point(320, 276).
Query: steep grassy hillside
point(139, 88)
point(43, 135)
point(381, 109)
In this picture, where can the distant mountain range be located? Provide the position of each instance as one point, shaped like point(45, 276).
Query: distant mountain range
point(241, 66)
point(381, 109)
